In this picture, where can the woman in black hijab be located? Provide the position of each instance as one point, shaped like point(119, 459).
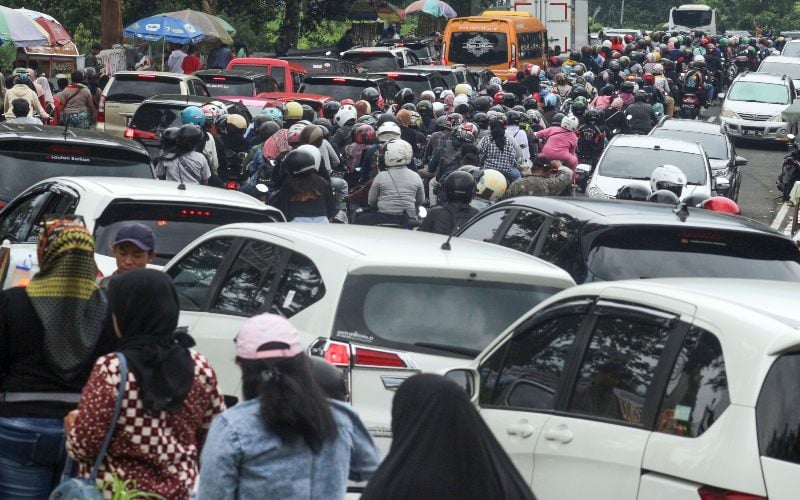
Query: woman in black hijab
point(442, 449)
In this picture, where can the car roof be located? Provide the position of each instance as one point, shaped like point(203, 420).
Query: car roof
point(686, 125)
point(654, 143)
point(163, 74)
point(269, 61)
point(761, 77)
point(438, 67)
point(403, 72)
point(241, 73)
point(349, 76)
point(781, 59)
point(56, 135)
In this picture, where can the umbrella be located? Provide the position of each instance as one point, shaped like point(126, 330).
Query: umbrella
point(54, 31)
point(164, 28)
point(17, 28)
point(436, 8)
point(370, 10)
point(213, 27)
point(35, 14)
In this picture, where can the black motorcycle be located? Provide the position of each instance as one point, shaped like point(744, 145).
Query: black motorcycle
point(790, 170)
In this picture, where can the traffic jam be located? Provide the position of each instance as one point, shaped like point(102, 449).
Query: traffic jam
point(478, 263)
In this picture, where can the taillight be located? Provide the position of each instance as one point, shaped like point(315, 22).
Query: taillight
point(344, 355)
point(444, 51)
point(231, 185)
point(147, 76)
point(135, 133)
point(371, 357)
point(3, 204)
point(338, 354)
point(101, 110)
point(710, 493)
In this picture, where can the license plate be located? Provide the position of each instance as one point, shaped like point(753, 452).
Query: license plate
point(754, 132)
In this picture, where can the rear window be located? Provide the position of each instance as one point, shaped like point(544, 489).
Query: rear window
point(156, 118)
point(174, 225)
point(397, 312)
point(418, 84)
point(791, 50)
point(276, 72)
point(627, 163)
point(24, 163)
point(778, 411)
point(336, 88)
point(478, 48)
point(221, 86)
point(673, 252)
point(137, 88)
point(373, 61)
point(792, 70)
point(319, 66)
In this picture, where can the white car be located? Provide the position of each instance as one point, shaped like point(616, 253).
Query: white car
point(176, 216)
point(664, 389)
point(383, 304)
point(753, 107)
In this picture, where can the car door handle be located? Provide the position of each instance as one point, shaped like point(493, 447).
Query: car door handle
point(521, 430)
point(563, 436)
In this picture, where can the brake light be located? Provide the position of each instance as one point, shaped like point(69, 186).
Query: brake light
point(101, 110)
point(231, 185)
point(147, 76)
point(371, 357)
point(340, 80)
point(338, 354)
point(135, 133)
point(3, 204)
point(392, 75)
point(218, 78)
point(444, 51)
point(709, 493)
point(367, 51)
point(191, 212)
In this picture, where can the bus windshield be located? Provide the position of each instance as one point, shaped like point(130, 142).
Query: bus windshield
point(478, 48)
point(693, 18)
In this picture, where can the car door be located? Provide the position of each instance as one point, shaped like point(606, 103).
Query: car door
point(18, 226)
point(522, 378)
point(604, 419)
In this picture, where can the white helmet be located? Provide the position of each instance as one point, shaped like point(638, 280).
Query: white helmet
point(668, 177)
point(570, 122)
point(438, 108)
point(313, 151)
point(388, 131)
point(461, 99)
point(492, 185)
point(345, 114)
point(658, 69)
point(607, 44)
point(534, 115)
point(699, 58)
point(463, 89)
point(396, 153)
point(445, 93)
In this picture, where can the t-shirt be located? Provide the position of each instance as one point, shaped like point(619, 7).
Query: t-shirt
point(175, 61)
point(191, 63)
point(188, 168)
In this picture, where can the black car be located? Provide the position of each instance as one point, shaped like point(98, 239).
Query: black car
point(603, 240)
point(31, 153)
point(236, 82)
point(418, 81)
point(718, 147)
point(340, 87)
point(481, 77)
point(453, 75)
point(163, 111)
point(318, 65)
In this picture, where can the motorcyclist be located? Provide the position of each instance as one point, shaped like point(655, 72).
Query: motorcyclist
point(490, 186)
point(196, 116)
point(591, 139)
point(640, 115)
point(447, 217)
point(373, 96)
point(518, 135)
point(345, 119)
point(236, 146)
point(695, 81)
point(411, 136)
point(668, 177)
point(543, 181)
point(396, 191)
point(561, 142)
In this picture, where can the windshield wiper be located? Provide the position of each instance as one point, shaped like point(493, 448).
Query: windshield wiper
point(465, 351)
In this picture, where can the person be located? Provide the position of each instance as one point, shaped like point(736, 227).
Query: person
point(452, 155)
point(235, 146)
point(285, 440)
point(22, 90)
point(185, 164)
point(304, 196)
point(346, 42)
point(442, 448)
point(134, 247)
point(447, 217)
point(51, 333)
point(219, 57)
point(171, 394)
point(542, 181)
point(21, 110)
point(144, 61)
point(598, 397)
point(91, 60)
point(640, 115)
point(46, 97)
point(561, 142)
point(498, 151)
point(396, 191)
point(175, 60)
point(191, 62)
point(282, 46)
point(240, 49)
point(77, 104)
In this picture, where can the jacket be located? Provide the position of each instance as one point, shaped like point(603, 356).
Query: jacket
point(641, 117)
point(539, 185)
point(447, 218)
point(561, 145)
point(396, 190)
point(21, 91)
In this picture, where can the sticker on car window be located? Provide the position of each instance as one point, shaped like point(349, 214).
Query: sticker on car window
point(683, 412)
point(342, 334)
point(288, 300)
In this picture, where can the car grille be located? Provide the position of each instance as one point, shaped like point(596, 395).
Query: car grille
point(754, 117)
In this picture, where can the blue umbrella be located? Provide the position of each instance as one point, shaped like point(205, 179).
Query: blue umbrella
point(164, 28)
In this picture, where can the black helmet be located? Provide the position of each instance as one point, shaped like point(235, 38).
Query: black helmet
point(614, 65)
point(641, 96)
point(578, 108)
point(472, 170)
point(509, 100)
point(409, 106)
point(330, 108)
point(519, 108)
point(664, 196)
point(464, 108)
point(627, 87)
point(267, 129)
point(325, 124)
point(498, 118)
point(481, 119)
point(371, 95)
point(592, 116)
point(608, 89)
point(483, 103)
point(437, 91)
point(299, 162)
point(169, 139)
point(530, 103)
point(260, 119)
point(404, 96)
point(441, 123)
point(579, 91)
point(309, 113)
point(695, 200)
point(557, 118)
point(190, 137)
point(634, 192)
point(514, 117)
point(459, 186)
point(425, 108)
point(328, 378)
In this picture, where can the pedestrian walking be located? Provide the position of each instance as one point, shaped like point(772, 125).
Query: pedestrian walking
point(76, 103)
point(285, 440)
point(191, 62)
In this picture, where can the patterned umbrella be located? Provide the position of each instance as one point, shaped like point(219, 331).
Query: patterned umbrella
point(17, 28)
point(436, 8)
point(164, 28)
point(213, 27)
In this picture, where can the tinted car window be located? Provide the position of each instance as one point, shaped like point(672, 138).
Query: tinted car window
point(336, 88)
point(521, 233)
point(697, 390)
point(778, 411)
point(247, 284)
point(626, 162)
point(374, 61)
point(156, 118)
point(17, 219)
point(483, 229)
point(301, 285)
point(194, 273)
point(137, 88)
point(230, 86)
point(418, 84)
point(530, 45)
point(715, 145)
point(478, 48)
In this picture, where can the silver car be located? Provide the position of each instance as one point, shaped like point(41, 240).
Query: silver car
point(754, 105)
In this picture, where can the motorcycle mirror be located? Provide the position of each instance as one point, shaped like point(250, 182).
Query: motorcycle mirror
point(721, 95)
point(423, 212)
point(262, 188)
point(722, 183)
point(584, 168)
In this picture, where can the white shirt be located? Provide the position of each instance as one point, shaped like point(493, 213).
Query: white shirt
point(175, 61)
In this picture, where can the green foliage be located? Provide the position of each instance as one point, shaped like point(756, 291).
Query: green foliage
point(8, 54)
point(126, 490)
point(83, 38)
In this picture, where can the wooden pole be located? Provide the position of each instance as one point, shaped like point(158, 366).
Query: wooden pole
point(111, 22)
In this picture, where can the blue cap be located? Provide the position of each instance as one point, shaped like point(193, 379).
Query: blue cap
point(138, 234)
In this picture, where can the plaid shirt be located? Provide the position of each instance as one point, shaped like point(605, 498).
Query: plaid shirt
point(503, 160)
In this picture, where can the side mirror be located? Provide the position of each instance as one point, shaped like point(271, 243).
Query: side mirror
point(721, 183)
point(584, 168)
point(740, 161)
point(721, 95)
point(468, 379)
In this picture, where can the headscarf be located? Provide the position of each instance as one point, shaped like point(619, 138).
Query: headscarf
point(48, 94)
point(66, 297)
point(278, 143)
point(145, 307)
point(442, 449)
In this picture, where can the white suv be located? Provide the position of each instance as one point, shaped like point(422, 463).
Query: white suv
point(672, 389)
point(754, 104)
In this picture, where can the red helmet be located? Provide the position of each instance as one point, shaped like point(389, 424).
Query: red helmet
point(704, 41)
point(364, 134)
point(554, 61)
point(498, 97)
point(615, 55)
point(721, 204)
point(347, 101)
point(649, 79)
point(628, 38)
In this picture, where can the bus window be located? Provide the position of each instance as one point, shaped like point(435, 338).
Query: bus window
point(478, 48)
point(530, 45)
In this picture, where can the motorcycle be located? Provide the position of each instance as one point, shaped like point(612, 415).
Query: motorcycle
point(690, 106)
point(790, 170)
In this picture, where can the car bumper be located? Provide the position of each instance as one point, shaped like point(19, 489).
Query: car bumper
point(746, 129)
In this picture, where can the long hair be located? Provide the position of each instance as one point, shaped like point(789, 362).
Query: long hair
point(292, 404)
point(306, 187)
point(498, 131)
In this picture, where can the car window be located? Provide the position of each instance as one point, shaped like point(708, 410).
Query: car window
point(297, 79)
point(556, 247)
point(530, 45)
point(137, 88)
point(247, 284)
point(337, 88)
point(697, 390)
point(222, 86)
point(714, 145)
point(618, 368)
point(301, 285)
point(279, 74)
point(195, 272)
point(638, 163)
point(58, 203)
point(18, 218)
point(533, 366)
point(156, 118)
point(476, 48)
point(778, 411)
point(374, 61)
point(521, 233)
point(483, 229)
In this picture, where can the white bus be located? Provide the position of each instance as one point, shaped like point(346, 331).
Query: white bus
point(693, 17)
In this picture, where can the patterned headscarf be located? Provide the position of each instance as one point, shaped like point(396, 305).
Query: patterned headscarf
point(66, 297)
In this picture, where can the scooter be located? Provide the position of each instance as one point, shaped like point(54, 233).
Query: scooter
point(790, 170)
point(690, 106)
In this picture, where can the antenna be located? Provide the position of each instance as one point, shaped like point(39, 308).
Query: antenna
point(67, 119)
point(446, 244)
point(682, 211)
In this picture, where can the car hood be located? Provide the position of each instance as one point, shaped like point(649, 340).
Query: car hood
point(610, 186)
point(757, 108)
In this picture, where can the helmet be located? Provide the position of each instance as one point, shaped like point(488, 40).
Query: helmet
point(509, 100)
point(699, 59)
point(294, 111)
point(371, 95)
point(628, 38)
point(368, 119)
point(579, 91)
point(409, 106)
point(745, 40)
point(492, 185)
point(570, 122)
point(169, 138)
point(668, 177)
point(309, 113)
point(404, 96)
point(472, 170)
point(236, 122)
point(194, 115)
point(299, 162)
point(466, 132)
point(293, 134)
point(641, 96)
point(314, 152)
point(578, 108)
point(579, 69)
point(606, 44)
point(190, 136)
point(463, 89)
point(723, 42)
point(276, 114)
point(648, 79)
point(388, 131)
point(345, 102)
point(404, 117)
point(498, 96)
point(627, 87)
point(438, 109)
point(482, 119)
point(425, 108)
point(396, 153)
point(664, 196)
point(328, 378)
point(267, 130)
point(454, 120)
point(416, 120)
point(330, 108)
point(364, 134)
point(483, 103)
point(212, 111)
point(459, 186)
point(557, 118)
point(533, 115)
point(313, 135)
point(427, 95)
point(614, 66)
point(530, 103)
point(721, 204)
point(345, 114)
point(495, 117)
point(592, 116)
point(634, 192)
point(695, 200)
point(514, 117)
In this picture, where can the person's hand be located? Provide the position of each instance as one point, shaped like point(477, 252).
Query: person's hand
point(423, 173)
point(69, 420)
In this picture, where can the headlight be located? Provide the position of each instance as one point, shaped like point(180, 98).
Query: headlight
point(727, 113)
point(777, 118)
point(722, 172)
point(595, 192)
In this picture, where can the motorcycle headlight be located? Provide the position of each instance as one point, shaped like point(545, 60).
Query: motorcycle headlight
point(727, 113)
point(595, 192)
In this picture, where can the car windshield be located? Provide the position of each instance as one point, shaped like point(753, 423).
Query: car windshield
point(792, 70)
point(638, 163)
point(417, 84)
point(336, 88)
point(436, 315)
point(24, 163)
point(768, 93)
point(174, 225)
point(478, 48)
point(791, 50)
point(230, 87)
point(715, 145)
point(137, 88)
point(373, 61)
point(635, 252)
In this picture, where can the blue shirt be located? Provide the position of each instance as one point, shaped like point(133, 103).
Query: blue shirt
point(242, 459)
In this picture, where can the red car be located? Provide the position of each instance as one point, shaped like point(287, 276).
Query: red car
point(316, 101)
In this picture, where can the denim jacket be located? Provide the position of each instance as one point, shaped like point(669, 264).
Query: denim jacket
point(242, 459)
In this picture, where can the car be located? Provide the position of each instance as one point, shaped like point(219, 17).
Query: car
point(423, 48)
point(316, 101)
point(380, 303)
point(340, 87)
point(126, 90)
point(30, 153)
point(753, 107)
point(287, 74)
point(380, 58)
point(453, 74)
point(416, 80)
point(648, 390)
point(236, 82)
point(315, 65)
point(791, 48)
point(482, 77)
point(601, 240)
point(718, 147)
point(176, 216)
point(631, 159)
point(782, 65)
point(163, 111)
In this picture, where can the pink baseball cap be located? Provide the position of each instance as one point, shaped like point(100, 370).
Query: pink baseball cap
point(267, 336)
